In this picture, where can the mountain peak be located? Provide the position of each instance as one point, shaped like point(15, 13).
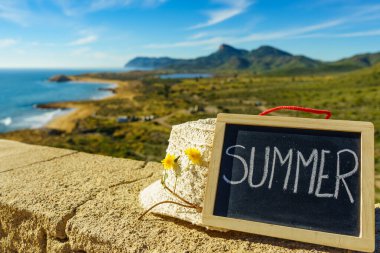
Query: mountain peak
point(225, 47)
point(266, 47)
point(269, 51)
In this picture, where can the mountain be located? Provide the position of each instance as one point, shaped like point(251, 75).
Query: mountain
point(270, 59)
point(265, 59)
point(151, 62)
point(360, 60)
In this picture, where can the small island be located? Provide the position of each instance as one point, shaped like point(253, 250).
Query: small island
point(60, 79)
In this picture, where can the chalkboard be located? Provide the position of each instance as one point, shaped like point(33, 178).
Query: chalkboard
point(272, 192)
point(292, 175)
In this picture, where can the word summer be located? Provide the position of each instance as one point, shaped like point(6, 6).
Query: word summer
point(296, 160)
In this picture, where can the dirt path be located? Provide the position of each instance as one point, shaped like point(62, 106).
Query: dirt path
point(162, 120)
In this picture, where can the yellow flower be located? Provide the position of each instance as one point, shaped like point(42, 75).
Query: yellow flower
point(194, 155)
point(169, 162)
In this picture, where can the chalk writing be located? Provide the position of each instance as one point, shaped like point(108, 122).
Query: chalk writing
point(281, 158)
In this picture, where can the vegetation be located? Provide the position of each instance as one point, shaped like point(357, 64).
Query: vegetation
point(350, 96)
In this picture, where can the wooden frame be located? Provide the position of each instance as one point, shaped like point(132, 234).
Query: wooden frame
point(365, 241)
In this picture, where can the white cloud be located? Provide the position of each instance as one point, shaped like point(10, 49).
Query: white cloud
point(7, 42)
point(359, 34)
point(99, 55)
point(342, 35)
point(367, 9)
point(80, 51)
point(14, 11)
point(106, 4)
point(198, 35)
point(76, 7)
point(153, 3)
point(232, 9)
point(84, 40)
point(89, 53)
point(282, 34)
point(193, 43)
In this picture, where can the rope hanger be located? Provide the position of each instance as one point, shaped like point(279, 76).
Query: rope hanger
point(297, 108)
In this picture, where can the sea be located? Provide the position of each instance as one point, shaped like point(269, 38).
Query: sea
point(21, 90)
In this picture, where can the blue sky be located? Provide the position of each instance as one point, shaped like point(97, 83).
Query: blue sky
point(108, 33)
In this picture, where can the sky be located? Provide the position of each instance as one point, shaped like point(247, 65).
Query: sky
point(108, 33)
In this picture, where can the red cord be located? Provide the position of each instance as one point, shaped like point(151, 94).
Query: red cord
point(297, 108)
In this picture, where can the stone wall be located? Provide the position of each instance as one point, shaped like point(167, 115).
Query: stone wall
point(55, 200)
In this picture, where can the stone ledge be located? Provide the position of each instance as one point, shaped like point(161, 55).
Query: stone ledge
point(15, 155)
point(54, 200)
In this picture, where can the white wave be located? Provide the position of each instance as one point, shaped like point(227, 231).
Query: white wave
point(101, 96)
point(6, 121)
point(38, 121)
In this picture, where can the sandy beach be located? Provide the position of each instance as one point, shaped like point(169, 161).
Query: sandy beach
point(83, 109)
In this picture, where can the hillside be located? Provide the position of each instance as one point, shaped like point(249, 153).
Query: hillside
point(360, 60)
point(265, 59)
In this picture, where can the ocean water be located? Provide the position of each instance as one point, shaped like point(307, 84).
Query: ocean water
point(21, 90)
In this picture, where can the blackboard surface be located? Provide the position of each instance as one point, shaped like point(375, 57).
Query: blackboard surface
point(258, 178)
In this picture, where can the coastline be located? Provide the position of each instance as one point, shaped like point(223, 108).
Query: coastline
point(66, 122)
